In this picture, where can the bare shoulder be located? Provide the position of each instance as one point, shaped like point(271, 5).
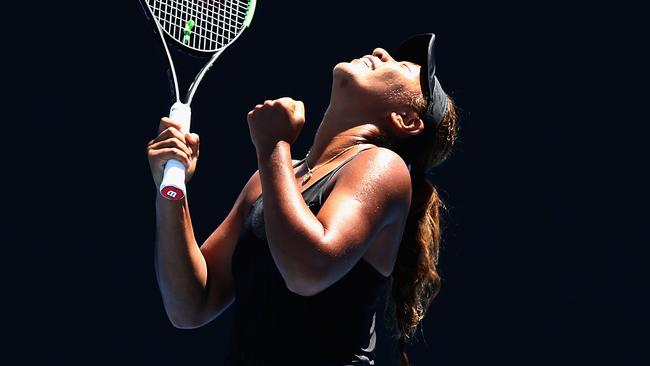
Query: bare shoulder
point(381, 157)
point(380, 164)
point(378, 170)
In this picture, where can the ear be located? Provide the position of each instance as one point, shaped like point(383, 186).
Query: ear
point(409, 122)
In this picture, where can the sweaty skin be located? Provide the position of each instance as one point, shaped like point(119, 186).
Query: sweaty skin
point(363, 216)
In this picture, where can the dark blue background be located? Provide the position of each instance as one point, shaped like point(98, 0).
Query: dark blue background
point(538, 267)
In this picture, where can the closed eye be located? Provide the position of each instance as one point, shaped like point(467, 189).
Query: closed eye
point(409, 67)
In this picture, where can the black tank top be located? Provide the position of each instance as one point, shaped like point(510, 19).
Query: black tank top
point(274, 326)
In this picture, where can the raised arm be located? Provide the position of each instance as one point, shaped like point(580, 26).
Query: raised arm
point(195, 282)
point(370, 196)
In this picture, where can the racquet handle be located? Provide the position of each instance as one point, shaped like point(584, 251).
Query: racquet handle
point(173, 183)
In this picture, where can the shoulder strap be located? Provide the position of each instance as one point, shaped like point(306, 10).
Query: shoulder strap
point(323, 181)
point(348, 159)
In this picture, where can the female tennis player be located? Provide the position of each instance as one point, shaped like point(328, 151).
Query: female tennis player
point(310, 247)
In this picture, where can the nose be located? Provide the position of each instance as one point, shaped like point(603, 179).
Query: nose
point(382, 54)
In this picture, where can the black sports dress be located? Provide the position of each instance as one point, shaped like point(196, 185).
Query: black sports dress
point(274, 326)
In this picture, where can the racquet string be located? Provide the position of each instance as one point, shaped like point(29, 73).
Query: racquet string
point(202, 25)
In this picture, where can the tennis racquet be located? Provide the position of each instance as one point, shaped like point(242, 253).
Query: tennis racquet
point(202, 28)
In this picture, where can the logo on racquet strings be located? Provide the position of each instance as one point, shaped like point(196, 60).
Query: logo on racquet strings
point(187, 31)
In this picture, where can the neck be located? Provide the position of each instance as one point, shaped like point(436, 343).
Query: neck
point(337, 132)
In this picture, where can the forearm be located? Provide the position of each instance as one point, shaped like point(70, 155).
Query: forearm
point(180, 267)
point(294, 234)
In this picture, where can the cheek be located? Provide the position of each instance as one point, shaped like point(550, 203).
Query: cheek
point(385, 83)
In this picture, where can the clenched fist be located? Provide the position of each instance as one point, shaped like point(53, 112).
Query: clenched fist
point(171, 143)
point(275, 121)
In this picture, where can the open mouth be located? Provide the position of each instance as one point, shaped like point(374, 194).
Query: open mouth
point(368, 61)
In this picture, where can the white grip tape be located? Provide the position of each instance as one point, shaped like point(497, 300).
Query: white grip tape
point(174, 174)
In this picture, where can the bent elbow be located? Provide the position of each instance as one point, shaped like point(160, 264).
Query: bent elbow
point(196, 316)
point(185, 321)
point(302, 291)
point(303, 286)
point(185, 324)
point(297, 289)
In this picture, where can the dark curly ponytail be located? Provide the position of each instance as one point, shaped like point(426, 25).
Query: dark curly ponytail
point(415, 276)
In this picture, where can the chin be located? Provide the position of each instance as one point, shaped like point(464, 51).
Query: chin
point(344, 74)
point(343, 68)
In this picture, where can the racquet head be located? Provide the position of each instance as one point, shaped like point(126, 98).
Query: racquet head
point(201, 26)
